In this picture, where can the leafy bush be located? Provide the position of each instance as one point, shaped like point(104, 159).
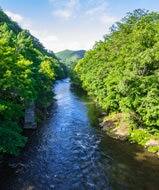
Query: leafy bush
point(139, 136)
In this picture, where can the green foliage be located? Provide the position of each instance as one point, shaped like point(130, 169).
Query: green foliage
point(153, 149)
point(122, 71)
point(27, 71)
point(139, 136)
point(146, 138)
point(11, 140)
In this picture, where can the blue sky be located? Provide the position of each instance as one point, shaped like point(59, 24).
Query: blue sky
point(71, 24)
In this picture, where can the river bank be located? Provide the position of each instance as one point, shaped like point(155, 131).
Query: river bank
point(117, 126)
point(120, 126)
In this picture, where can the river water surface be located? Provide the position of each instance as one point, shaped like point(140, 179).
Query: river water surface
point(68, 152)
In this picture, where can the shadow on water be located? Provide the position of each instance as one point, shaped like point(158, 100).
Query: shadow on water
point(69, 152)
point(129, 166)
point(93, 111)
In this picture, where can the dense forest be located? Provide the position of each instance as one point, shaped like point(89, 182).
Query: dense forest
point(121, 73)
point(27, 72)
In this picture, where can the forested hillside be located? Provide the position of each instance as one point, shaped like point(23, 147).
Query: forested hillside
point(69, 57)
point(27, 72)
point(122, 74)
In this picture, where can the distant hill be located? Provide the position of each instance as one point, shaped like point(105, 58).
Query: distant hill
point(68, 57)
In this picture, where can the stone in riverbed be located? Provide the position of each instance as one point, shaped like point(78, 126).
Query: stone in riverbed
point(116, 126)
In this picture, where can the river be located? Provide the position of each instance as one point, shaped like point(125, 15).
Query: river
point(69, 152)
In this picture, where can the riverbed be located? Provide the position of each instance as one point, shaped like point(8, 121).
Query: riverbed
point(69, 152)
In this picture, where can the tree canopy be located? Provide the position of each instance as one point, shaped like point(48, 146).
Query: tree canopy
point(122, 71)
point(27, 71)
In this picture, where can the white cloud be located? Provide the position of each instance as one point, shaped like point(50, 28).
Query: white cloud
point(25, 23)
point(66, 14)
point(68, 10)
point(97, 10)
point(54, 43)
point(72, 45)
point(16, 17)
point(107, 20)
point(100, 13)
point(46, 38)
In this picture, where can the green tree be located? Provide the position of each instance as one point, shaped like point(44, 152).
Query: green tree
point(121, 72)
point(27, 72)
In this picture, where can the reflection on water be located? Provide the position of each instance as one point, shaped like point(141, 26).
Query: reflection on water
point(69, 152)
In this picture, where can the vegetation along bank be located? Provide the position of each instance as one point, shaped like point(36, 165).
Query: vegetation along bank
point(27, 72)
point(121, 73)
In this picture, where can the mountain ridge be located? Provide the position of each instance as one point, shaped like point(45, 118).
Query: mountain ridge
point(70, 56)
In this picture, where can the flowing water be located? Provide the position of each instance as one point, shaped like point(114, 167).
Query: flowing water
point(68, 152)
